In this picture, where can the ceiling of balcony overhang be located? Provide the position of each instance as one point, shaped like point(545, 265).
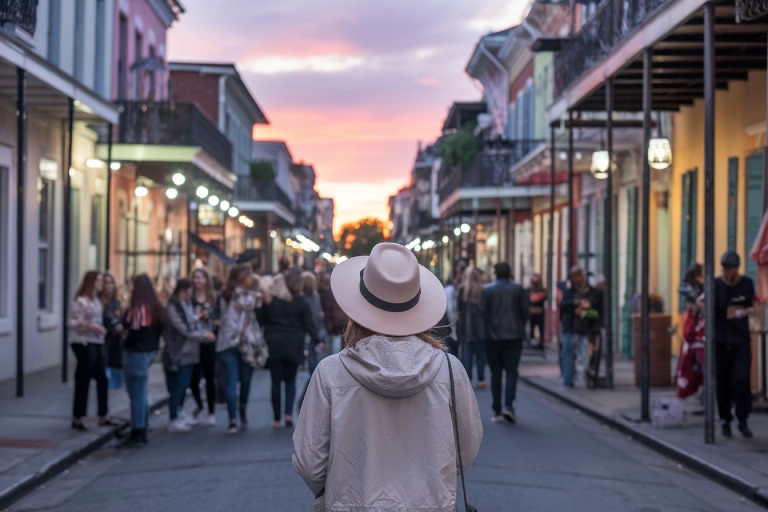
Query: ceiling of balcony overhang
point(678, 63)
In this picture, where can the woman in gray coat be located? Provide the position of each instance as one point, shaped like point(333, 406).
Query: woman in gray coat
point(182, 349)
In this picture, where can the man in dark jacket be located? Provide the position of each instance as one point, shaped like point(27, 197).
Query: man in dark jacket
point(504, 306)
point(579, 316)
point(734, 295)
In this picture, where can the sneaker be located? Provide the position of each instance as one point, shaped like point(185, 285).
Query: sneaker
point(509, 415)
point(178, 425)
point(189, 421)
point(727, 430)
point(233, 429)
point(211, 421)
point(243, 416)
point(498, 419)
point(744, 429)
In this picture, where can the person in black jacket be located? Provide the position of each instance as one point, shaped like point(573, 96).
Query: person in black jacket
point(504, 306)
point(579, 316)
point(144, 324)
point(286, 318)
point(469, 326)
point(734, 296)
point(113, 322)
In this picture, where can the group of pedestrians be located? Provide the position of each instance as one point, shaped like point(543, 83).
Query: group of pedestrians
point(200, 334)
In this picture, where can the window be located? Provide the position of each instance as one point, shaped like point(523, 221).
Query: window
point(122, 59)
point(733, 212)
point(100, 45)
point(79, 39)
point(138, 52)
point(688, 223)
point(54, 31)
point(45, 199)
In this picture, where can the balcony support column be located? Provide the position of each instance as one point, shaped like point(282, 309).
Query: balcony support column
point(551, 288)
point(108, 216)
point(709, 221)
point(608, 244)
point(571, 213)
point(645, 320)
point(21, 175)
point(67, 231)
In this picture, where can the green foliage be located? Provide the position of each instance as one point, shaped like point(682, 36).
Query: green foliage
point(358, 238)
point(263, 171)
point(462, 147)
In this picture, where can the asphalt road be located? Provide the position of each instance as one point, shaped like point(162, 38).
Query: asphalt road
point(554, 459)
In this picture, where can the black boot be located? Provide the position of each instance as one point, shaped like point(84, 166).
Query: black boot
point(727, 430)
point(133, 440)
point(744, 429)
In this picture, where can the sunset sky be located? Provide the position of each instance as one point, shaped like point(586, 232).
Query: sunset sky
point(351, 85)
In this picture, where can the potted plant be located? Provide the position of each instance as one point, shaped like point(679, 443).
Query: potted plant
point(262, 171)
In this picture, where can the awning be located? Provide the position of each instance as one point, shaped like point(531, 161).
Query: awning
point(211, 249)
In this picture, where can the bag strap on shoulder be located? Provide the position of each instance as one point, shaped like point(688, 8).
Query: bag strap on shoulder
point(467, 506)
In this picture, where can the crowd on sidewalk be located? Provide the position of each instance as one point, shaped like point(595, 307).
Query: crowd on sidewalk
point(204, 331)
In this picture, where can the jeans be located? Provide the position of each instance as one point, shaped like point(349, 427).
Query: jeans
point(90, 365)
point(177, 383)
point(136, 367)
point(283, 371)
point(504, 355)
point(476, 350)
point(237, 370)
point(734, 363)
point(572, 343)
point(205, 369)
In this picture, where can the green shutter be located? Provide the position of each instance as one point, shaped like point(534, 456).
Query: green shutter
point(630, 284)
point(693, 208)
point(684, 228)
point(733, 200)
point(754, 207)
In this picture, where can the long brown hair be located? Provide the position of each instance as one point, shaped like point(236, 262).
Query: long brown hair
point(88, 286)
point(309, 283)
point(210, 295)
point(472, 285)
point(103, 297)
point(356, 332)
point(143, 294)
point(236, 277)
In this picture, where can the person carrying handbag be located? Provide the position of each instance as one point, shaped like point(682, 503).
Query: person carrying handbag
point(380, 411)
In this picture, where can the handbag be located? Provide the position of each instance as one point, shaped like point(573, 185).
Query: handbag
point(252, 347)
point(467, 506)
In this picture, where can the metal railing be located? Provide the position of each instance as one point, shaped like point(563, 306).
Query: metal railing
point(180, 124)
point(247, 190)
point(490, 168)
point(22, 13)
point(613, 21)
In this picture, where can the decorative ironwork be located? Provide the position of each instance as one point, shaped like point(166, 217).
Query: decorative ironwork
point(748, 10)
point(22, 13)
point(180, 124)
point(246, 190)
point(611, 24)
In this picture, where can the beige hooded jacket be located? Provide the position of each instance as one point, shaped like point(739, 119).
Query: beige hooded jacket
point(375, 430)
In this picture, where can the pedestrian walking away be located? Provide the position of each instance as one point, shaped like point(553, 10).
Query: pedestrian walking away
point(537, 298)
point(335, 319)
point(380, 411)
point(504, 306)
point(238, 332)
point(287, 318)
point(204, 303)
point(86, 336)
point(144, 323)
point(309, 292)
point(734, 296)
point(579, 314)
point(470, 326)
point(113, 322)
point(181, 353)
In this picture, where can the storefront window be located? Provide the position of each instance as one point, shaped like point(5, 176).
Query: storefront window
point(210, 216)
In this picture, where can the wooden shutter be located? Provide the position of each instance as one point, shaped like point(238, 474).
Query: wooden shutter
point(733, 198)
point(685, 223)
point(754, 208)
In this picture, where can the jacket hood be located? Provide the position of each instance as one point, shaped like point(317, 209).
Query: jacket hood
point(391, 366)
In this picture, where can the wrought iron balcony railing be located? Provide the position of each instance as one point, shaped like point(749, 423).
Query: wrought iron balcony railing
point(181, 124)
point(22, 13)
point(247, 190)
point(491, 168)
point(613, 21)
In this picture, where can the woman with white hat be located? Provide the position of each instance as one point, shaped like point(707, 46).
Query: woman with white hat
point(388, 421)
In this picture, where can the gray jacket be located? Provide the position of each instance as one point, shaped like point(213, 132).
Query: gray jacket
point(182, 337)
point(375, 431)
point(504, 306)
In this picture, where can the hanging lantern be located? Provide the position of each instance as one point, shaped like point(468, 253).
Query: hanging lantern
point(601, 165)
point(659, 153)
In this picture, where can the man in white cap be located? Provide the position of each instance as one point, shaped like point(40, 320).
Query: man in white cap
point(734, 295)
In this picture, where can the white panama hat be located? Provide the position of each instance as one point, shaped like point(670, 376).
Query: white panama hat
point(388, 292)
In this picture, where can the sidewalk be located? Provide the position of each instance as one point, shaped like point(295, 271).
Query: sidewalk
point(738, 463)
point(36, 441)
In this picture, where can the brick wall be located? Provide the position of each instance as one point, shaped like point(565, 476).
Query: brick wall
point(659, 352)
point(191, 86)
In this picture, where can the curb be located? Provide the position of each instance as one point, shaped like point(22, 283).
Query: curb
point(749, 490)
point(54, 467)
